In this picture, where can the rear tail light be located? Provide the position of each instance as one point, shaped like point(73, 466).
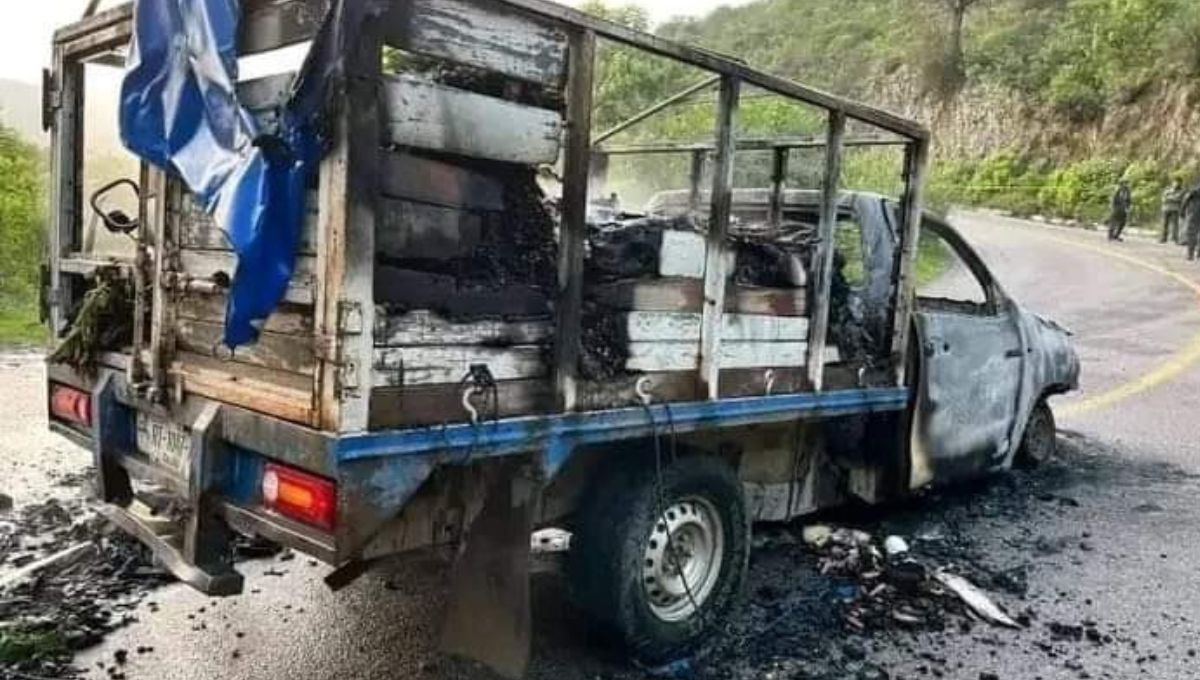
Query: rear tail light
point(70, 404)
point(300, 496)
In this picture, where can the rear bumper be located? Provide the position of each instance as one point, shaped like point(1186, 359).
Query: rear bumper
point(218, 583)
point(212, 494)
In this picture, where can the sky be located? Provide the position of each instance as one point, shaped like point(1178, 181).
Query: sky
point(25, 33)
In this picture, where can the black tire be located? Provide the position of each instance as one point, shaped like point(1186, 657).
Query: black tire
point(1040, 442)
point(618, 525)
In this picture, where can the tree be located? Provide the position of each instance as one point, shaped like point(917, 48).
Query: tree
point(954, 68)
point(21, 191)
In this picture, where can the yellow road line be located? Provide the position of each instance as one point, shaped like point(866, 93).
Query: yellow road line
point(1162, 373)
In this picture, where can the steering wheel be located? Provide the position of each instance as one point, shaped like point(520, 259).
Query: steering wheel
point(116, 221)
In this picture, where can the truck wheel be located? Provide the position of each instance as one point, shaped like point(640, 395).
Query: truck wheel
point(1040, 443)
point(637, 544)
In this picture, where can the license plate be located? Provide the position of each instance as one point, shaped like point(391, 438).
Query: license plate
point(164, 443)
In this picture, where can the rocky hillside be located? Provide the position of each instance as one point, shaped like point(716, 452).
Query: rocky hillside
point(1069, 78)
point(1036, 105)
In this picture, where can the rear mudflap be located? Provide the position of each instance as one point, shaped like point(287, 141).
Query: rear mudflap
point(488, 617)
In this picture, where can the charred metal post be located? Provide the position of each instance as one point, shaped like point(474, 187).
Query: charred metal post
point(696, 177)
point(66, 140)
point(822, 267)
point(718, 227)
point(779, 163)
point(656, 108)
point(916, 161)
point(573, 233)
point(162, 242)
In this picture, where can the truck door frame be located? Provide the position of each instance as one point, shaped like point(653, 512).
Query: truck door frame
point(997, 306)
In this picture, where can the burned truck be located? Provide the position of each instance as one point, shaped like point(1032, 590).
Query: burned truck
point(375, 305)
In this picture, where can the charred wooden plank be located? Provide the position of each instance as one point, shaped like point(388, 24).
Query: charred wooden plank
point(425, 115)
point(197, 229)
point(288, 319)
point(916, 167)
point(683, 356)
point(488, 36)
point(420, 328)
point(573, 229)
point(419, 231)
point(426, 180)
point(673, 295)
point(715, 276)
point(349, 209)
point(412, 289)
point(685, 327)
point(450, 364)
point(275, 393)
point(207, 264)
point(822, 266)
point(272, 350)
point(414, 405)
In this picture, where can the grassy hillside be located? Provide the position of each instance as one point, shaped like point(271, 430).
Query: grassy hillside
point(1045, 106)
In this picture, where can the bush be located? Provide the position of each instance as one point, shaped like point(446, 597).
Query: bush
point(1076, 96)
point(21, 192)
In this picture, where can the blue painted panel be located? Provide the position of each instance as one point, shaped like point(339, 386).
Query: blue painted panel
point(558, 435)
point(241, 480)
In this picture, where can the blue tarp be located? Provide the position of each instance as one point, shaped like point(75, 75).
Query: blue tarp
point(180, 112)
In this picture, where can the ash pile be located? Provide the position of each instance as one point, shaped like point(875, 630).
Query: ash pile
point(886, 585)
point(645, 290)
point(497, 261)
point(67, 578)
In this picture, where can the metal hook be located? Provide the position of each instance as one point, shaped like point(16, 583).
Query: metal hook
point(642, 390)
point(862, 376)
point(769, 379)
point(469, 394)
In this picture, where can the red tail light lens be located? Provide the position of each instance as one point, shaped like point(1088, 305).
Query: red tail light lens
point(70, 404)
point(300, 496)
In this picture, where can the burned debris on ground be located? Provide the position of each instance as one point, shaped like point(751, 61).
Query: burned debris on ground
point(848, 596)
point(67, 578)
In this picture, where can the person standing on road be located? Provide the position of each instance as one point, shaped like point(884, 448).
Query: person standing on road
point(1122, 201)
point(1191, 213)
point(1172, 203)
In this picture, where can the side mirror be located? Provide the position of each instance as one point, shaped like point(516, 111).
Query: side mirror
point(116, 220)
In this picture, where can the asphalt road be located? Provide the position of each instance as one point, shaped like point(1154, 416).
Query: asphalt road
point(1108, 535)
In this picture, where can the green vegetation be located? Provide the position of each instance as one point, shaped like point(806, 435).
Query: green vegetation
point(934, 259)
point(21, 213)
point(1088, 76)
point(19, 644)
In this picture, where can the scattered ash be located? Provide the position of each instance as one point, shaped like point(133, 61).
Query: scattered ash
point(605, 347)
point(827, 601)
point(96, 579)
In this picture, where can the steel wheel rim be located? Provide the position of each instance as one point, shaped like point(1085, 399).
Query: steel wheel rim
point(697, 537)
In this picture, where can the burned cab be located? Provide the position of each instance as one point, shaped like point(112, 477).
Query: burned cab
point(384, 298)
